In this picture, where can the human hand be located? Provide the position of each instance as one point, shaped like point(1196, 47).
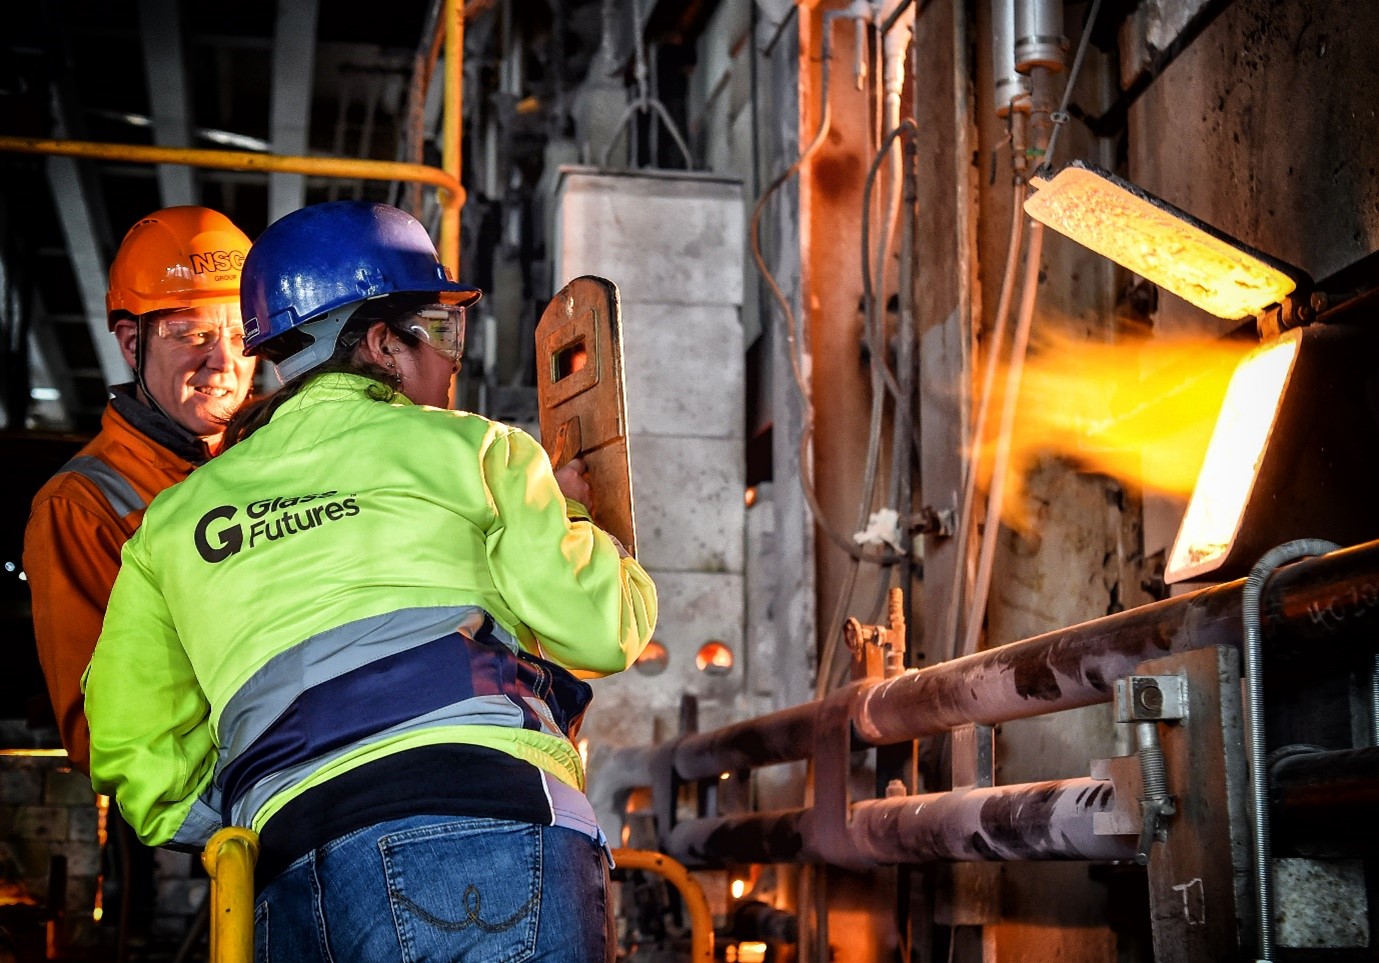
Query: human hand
point(573, 479)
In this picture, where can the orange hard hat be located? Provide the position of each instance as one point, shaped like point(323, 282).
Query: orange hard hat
point(179, 257)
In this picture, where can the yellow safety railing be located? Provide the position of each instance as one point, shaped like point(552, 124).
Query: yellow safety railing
point(450, 196)
point(701, 917)
point(229, 860)
point(447, 177)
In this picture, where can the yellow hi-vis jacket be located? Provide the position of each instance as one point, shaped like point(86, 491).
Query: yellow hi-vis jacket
point(358, 578)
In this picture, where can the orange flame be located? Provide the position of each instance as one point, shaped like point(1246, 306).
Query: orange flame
point(1138, 409)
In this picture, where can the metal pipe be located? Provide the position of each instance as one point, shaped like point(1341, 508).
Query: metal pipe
point(1254, 723)
point(1039, 40)
point(769, 837)
point(701, 917)
point(452, 128)
point(1323, 802)
point(1318, 781)
point(229, 859)
point(782, 736)
point(1315, 600)
point(451, 194)
point(1076, 666)
point(1005, 432)
point(1009, 85)
point(1033, 821)
point(1036, 821)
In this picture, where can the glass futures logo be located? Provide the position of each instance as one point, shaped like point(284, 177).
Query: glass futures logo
point(218, 536)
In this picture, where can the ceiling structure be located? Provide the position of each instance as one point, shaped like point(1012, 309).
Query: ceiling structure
point(292, 78)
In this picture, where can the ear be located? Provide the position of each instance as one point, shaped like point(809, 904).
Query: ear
point(127, 336)
point(377, 345)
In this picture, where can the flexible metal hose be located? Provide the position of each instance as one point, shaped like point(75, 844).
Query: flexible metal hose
point(1374, 703)
point(1254, 722)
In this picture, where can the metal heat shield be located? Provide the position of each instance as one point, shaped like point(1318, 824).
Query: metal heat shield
point(1309, 471)
point(582, 399)
point(1160, 242)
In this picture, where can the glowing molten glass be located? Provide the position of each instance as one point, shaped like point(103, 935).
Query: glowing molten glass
point(1233, 459)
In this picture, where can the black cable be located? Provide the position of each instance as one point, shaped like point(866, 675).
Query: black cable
point(792, 348)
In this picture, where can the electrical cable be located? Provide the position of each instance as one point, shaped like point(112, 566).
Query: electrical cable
point(986, 554)
point(824, 680)
point(1061, 118)
point(997, 343)
point(792, 343)
point(1015, 370)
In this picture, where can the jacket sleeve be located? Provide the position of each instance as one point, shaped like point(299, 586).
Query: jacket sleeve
point(591, 607)
point(71, 556)
point(151, 743)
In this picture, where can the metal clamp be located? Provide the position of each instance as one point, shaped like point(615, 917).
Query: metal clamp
point(1144, 701)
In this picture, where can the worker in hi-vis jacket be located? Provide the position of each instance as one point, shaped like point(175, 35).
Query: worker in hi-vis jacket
point(361, 631)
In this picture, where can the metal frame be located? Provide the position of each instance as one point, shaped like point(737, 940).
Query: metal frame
point(1179, 672)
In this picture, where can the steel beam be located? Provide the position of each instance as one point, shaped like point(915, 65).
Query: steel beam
point(165, 70)
point(294, 60)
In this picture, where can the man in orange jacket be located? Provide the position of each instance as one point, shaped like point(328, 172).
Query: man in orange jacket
point(173, 305)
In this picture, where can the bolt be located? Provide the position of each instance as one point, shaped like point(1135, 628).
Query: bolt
point(1150, 698)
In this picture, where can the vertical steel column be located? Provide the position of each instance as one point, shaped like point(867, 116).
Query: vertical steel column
point(453, 129)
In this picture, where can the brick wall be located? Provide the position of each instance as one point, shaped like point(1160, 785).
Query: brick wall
point(49, 810)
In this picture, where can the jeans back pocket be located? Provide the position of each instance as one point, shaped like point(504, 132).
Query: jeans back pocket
point(467, 889)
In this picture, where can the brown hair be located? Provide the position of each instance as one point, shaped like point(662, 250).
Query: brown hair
point(254, 414)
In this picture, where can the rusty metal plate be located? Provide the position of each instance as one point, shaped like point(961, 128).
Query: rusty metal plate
point(582, 399)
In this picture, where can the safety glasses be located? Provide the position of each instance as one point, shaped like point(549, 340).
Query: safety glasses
point(441, 326)
point(200, 335)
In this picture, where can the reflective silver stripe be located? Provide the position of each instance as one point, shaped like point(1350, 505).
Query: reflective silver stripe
point(114, 486)
point(271, 690)
point(279, 681)
point(571, 808)
point(478, 711)
point(202, 820)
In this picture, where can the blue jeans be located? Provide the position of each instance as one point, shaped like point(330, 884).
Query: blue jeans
point(441, 889)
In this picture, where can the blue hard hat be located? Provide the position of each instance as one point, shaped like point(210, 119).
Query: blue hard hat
point(323, 258)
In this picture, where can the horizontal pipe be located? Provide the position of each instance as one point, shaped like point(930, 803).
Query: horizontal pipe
point(1032, 821)
point(451, 193)
point(1310, 601)
point(781, 736)
point(1323, 802)
point(770, 837)
point(1320, 599)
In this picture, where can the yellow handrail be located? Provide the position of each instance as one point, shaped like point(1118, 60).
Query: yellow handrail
point(451, 193)
point(701, 918)
point(229, 860)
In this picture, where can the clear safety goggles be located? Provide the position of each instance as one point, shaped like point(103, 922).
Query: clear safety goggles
point(200, 334)
point(441, 326)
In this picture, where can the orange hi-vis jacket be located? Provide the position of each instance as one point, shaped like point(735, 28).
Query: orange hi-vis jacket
point(77, 526)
